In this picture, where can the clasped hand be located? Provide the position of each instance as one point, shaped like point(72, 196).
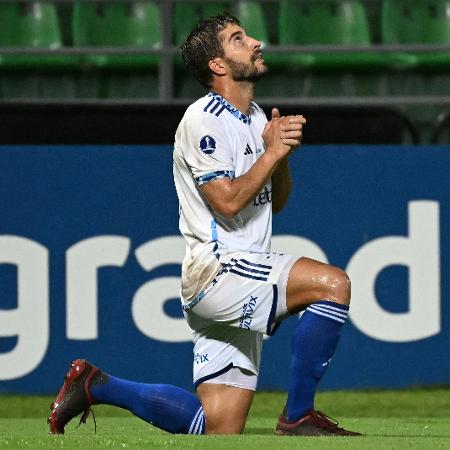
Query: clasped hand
point(283, 134)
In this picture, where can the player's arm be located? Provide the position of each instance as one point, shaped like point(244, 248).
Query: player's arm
point(229, 196)
point(281, 178)
point(281, 185)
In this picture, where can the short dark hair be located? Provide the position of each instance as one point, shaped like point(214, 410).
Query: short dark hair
point(203, 44)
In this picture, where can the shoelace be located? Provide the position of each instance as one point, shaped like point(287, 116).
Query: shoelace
point(85, 416)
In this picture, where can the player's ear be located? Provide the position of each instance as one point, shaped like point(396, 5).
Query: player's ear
point(217, 66)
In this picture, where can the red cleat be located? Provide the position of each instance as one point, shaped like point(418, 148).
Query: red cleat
point(74, 396)
point(315, 423)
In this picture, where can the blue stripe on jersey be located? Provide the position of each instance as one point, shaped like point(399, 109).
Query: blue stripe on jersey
point(220, 111)
point(214, 107)
point(246, 275)
point(255, 265)
point(225, 105)
point(208, 105)
point(214, 176)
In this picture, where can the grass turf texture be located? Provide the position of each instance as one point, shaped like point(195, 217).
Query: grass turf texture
point(414, 419)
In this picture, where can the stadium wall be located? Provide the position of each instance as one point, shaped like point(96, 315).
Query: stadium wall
point(90, 261)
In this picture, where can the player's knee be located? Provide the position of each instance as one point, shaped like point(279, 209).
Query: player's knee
point(339, 286)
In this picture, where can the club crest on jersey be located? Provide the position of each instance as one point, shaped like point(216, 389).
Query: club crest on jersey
point(207, 144)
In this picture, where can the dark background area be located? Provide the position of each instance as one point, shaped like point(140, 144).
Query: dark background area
point(22, 123)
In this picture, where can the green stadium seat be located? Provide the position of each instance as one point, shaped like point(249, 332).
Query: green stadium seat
point(251, 16)
point(331, 22)
point(31, 25)
point(65, 11)
point(134, 24)
point(34, 25)
point(118, 25)
point(270, 13)
point(37, 84)
point(187, 15)
point(332, 73)
point(417, 22)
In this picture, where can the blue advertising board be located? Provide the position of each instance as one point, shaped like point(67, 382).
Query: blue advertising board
point(90, 259)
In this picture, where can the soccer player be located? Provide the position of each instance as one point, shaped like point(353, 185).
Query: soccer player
point(231, 172)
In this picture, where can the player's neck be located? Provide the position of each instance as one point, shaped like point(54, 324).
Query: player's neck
point(239, 94)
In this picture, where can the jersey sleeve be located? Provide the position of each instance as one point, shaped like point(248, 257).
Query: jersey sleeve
point(208, 151)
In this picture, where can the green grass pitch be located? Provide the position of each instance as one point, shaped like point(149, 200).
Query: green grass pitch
point(414, 419)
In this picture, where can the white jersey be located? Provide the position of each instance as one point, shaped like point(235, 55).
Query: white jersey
point(215, 140)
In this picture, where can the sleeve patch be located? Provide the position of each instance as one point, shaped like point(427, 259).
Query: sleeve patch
point(214, 176)
point(207, 144)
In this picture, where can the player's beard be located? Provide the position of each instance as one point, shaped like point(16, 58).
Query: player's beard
point(246, 72)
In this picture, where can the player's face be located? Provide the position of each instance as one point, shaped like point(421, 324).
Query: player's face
point(242, 54)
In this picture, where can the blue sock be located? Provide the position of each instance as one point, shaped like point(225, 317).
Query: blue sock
point(165, 406)
point(313, 345)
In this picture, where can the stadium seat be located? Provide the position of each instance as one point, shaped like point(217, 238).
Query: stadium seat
point(187, 14)
point(65, 11)
point(250, 14)
point(327, 23)
point(332, 73)
point(251, 17)
point(31, 25)
point(120, 25)
point(418, 22)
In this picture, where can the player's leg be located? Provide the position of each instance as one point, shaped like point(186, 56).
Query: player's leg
point(311, 281)
point(246, 299)
point(323, 292)
point(226, 363)
point(225, 407)
point(165, 406)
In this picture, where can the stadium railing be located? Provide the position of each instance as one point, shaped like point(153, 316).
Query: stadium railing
point(440, 132)
point(359, 65)
point(120, 25)
point(338, 56)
